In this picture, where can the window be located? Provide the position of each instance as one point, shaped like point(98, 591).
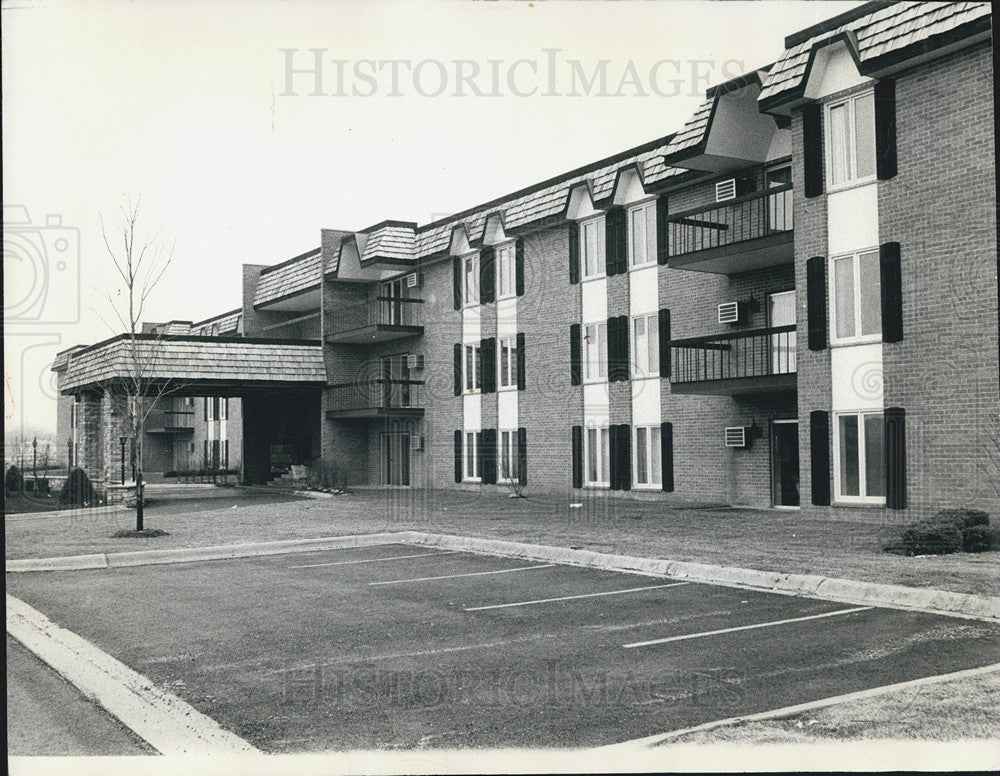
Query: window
point(473, 368)
point(508, 362)
point(592, 247)
point(646, 346)
point(647, 465)
point(856, 297)
point(642, 235)
point(859, 473)
point(470, 284)
point(391, 310)
point(597, 454)
point(595, 356)
point(506, 284)
point(473, 466)
point(508, 456)
point(850, 139)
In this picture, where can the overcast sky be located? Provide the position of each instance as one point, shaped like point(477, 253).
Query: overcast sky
point(427, 108)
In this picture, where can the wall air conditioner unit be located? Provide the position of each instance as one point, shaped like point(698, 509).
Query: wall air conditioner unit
point(736, 436)
point(733, 312)
point(416, 443)
point(725, 190)
point(415, 280)
point(414, 362)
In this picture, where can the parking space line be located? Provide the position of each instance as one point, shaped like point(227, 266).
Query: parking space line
point(373, 560)
point(456, 576)
point(572, 597)
point(745, 627)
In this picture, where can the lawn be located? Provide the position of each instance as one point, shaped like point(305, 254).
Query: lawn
point(770, 540)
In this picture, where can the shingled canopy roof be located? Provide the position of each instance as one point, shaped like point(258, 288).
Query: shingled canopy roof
point(194, 366)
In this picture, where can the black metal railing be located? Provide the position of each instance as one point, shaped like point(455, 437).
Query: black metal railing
point(378, 394)
point(755, 215)
point(377, 310)
point(756, 353)
point(170, 419)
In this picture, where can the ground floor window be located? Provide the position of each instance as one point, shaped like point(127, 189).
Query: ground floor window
point(508, 456)
point(473, 466)
point(598, 456)
point(647, 466)
point(859, 473)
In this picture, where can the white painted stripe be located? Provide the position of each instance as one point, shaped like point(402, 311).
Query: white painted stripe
point(745, 627)
point(373, 560)
point(800, 708)
point(456, 576)
point(166, 722)
point(572, 597)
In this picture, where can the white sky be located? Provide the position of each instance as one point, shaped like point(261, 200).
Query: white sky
point(181, 103)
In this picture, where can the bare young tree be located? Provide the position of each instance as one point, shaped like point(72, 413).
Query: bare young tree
point(140, 259)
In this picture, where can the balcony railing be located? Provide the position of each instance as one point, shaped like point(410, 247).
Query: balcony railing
point(374, 397)
point(766, 213)
point(170, 422)
point(746, 358)
point(378, 318)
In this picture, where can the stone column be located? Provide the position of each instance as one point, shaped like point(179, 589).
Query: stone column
point(114, 424)
point(90, 455)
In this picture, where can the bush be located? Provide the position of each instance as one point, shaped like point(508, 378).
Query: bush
point(979, 538)
point(13, 481)
point(950, 530)
point(962, 518)
point(42, 486)
point(77, 490)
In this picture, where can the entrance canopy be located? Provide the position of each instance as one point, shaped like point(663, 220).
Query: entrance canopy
point(193, 366)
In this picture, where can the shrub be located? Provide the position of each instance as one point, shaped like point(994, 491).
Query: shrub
point(13, 481)
point(950, 530)
point(962, 518)
point(77, 489)
point(42, 486)
point(979, 538)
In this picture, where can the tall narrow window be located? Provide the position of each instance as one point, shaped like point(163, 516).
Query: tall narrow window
point(856, 297)
point(506, 283)
point(592, 247)
point(473, 466)
point(860, 457)
point(473, 368)
point(470, 283)
point(642, 234)
point(646, 346)
point(508, 456)
point(595, 351)
point(598, 456)
point(507, 356)
point(647, 464)
point(850, 139)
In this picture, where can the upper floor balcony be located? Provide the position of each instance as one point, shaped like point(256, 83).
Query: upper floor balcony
point(173, 422)
point(742, 362)
point(375, 398)
point(379, 317)
point(736, 235)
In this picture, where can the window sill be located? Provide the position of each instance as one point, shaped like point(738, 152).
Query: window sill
point(587, 279)
point(649, 488)
point(506, 388)
point(859, 504)
point(645, 265)
point(597, 486)
point(847, 186)
point(505, 297)
point(645, 377)
point(871, 339)
point(476, 481)
point(472, 392)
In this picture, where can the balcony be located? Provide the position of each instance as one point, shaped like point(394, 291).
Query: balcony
point(374, 399)
point(743, 362)
point(377, 319)
point(172, 422)
point(742, 234)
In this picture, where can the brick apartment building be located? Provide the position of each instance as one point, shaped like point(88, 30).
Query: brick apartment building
point(790, 302)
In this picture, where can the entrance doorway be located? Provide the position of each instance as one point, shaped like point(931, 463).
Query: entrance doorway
point(395, 454)
point(785, 463)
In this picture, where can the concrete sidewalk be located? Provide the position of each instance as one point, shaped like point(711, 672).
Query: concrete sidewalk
point(807, 585)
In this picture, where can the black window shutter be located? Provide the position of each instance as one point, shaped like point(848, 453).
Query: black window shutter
point(577, 437)
point(816, 302)
point(522, 456)
point(456, 271)
point(895, 458)
point(574, 252)
point(618, 365)
point(489, 455)
point(575, 355)
point(520, 362)
point(625, 454)
point(662, 231)
point(667, 457)
point(812, 149)
point(664, 325)
point(819, 456)
point(458, 369)
point(458, 456)
point(885, 128)
point(487, 276)
point(614, 458)
point(892, 292)
point(616, 241)
point(519, 267)
point(488, 350)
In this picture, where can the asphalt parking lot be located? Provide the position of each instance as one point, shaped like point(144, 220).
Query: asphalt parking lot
point(400, 646)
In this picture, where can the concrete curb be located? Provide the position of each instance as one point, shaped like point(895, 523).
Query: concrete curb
point(807, 585)
point(84, 512)
point(166, 722)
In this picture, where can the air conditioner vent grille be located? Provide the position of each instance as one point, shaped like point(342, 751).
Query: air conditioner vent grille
point(725, 190)
point(736, 436)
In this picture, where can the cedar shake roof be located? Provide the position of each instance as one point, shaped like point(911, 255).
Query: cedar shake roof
point(187, 360)
point(393, 240)
point(904, 29)
point(228, 322)
point(695, 131)
point(288, 278)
